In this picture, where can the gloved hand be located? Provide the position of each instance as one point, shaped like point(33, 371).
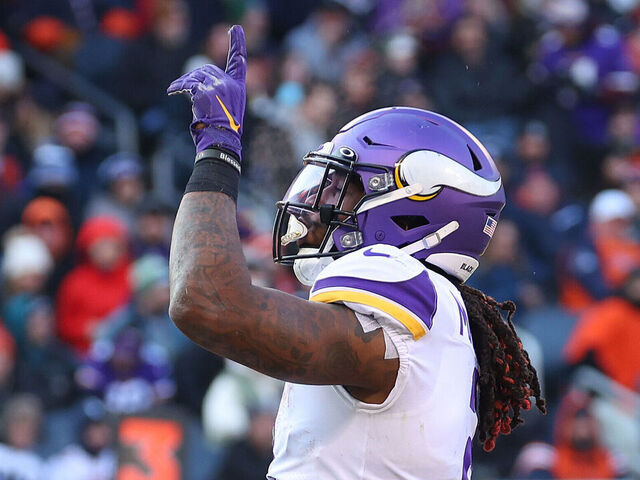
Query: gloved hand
point(218, 98)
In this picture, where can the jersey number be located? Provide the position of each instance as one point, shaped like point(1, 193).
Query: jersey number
point(153, 445)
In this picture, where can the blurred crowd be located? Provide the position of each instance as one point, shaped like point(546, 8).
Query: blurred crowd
point(551, 87)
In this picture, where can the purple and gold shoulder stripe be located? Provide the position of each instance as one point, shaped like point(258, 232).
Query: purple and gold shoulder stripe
point(411, 302)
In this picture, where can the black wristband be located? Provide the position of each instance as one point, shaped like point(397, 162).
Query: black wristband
point(220, 154)
point(215, 174)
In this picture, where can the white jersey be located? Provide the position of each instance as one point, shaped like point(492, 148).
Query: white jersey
point(425, 427)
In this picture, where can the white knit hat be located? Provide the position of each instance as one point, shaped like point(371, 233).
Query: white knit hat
point(11, 71)
point(611, 204)
point(26, 254)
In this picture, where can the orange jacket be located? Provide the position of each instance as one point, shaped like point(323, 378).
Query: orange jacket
point(618, 258)
point(611, 330)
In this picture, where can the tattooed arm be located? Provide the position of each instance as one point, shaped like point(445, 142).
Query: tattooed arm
point(214, 303)
point(212, 299)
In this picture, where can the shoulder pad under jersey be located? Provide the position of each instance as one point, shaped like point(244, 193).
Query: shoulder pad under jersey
point(385, 278)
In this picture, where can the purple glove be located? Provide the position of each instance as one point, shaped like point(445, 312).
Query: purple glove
point(218, 98)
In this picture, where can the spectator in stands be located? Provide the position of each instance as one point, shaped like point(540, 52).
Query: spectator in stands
point(148, 310)
point(327, 40)
point(432, 21)
point(605, 256)
point(99, 55)
point(276, 149)
point(623, 131)
point(535, 199)
point(153, 226)
point(269, 152)
point(54, 174)
point(231, 398)
point(618, 168)
point(621, 164)
point(311, 120)
point(93, 457)
point(506, 270)
point(607, 334)
point(295, 76)
point(249, 457)
point(534, 152)
point(11, 175)
point(7, 364)
point(128, 375)
point(12, 78)
point(19, 431)
point(401, 63)
point(98, 285)
point(154, 60)
point(256, 24)
point(214, 50)
point(121, 174)
point(123, 23)
point(623, 141)
point(47, 218)
point(534, 461)
point(260, 84)
point(78, 128)
point(358, 89)
point(32, 123)
point(579, 452)
point(589, 62)
point(476, 84)
point(45, 366)
point(26, 264)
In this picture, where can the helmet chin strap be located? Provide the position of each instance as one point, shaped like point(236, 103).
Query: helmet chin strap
point(432, 239)
point(307, 270)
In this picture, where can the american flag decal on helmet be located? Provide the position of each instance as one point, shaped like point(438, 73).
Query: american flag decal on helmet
point(490, 226)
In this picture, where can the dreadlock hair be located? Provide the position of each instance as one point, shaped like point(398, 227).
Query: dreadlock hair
point(506, 379)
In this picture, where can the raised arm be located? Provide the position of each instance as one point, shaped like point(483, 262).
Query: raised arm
point(212, 298)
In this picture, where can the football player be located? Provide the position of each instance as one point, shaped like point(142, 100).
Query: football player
point(393, 363)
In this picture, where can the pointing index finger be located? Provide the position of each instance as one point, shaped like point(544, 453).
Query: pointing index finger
point(237, 59)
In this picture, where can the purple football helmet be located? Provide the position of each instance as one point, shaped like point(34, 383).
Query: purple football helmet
point(430, 189)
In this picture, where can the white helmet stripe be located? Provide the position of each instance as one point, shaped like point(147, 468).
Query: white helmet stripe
point(434, 170)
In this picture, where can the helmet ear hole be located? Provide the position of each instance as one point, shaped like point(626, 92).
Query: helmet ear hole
point(409, 222)
point(474, 158)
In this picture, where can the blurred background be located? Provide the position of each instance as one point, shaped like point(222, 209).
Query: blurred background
point(95, 381)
